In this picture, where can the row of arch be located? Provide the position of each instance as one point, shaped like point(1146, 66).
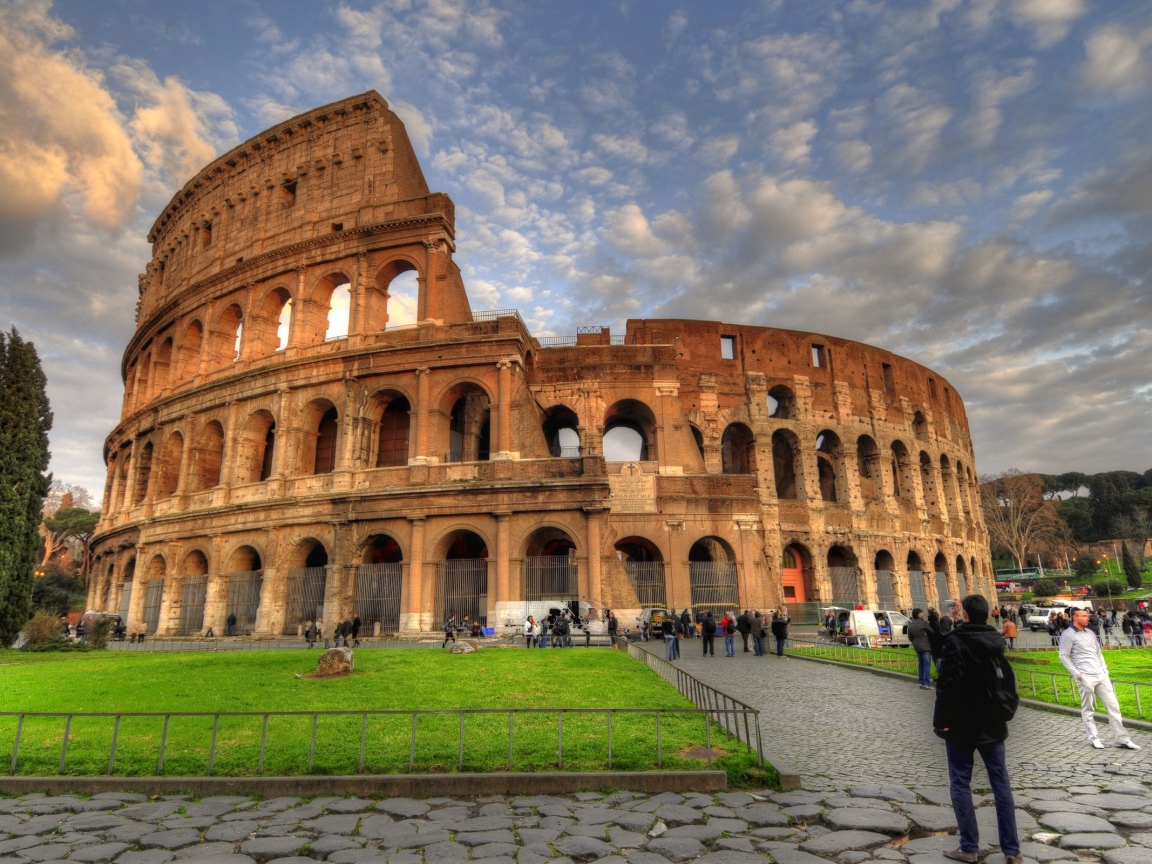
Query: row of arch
point(275, 320)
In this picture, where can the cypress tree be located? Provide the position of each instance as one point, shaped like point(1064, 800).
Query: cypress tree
point(1130, 571)
point(25, 419)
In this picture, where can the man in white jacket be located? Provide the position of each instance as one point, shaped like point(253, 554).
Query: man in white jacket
point(1081, 655)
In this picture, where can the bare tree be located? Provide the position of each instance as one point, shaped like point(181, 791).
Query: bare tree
point(1134, 528)
point(1019, 517)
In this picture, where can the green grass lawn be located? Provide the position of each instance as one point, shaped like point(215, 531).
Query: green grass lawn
point(268, 681)
point(1034, 672)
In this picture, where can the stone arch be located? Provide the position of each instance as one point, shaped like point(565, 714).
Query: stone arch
point(549, 541)
point(467, 406)
point(271, 328)
point(245, 557)
point(192, 589)
point(920, 426)
point(643, 563)
point(245, 579)
point(902, 484)
point(948, 481)
point(462, 576)
point(168, 469)
point(629, 432)
point(153, 594)
point(964, 584)
point(829, 458)
point(307, 552)
point(143, 474)
point(191, 346)
point(884, 568)
point(332, 305)
point(738, 450)
point(712, 574)
point(932, 499)
point(786, 465)
point(228, 335)
point(381, 548)
point(140, 391)
point(207, 457)
point(162, 367)
point(398, 282)
point(393, 426)
point(637, 548)
point(781, 403)
point(843, 573)
point(194, 563)
point(943, 587)
point(561, 429)
point(549, 570)
point(698, 437)
point(868, 467)
point(255, 447)
point(796, 574)
point(327, 437)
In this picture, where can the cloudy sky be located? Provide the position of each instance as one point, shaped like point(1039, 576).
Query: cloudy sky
point(965, 182)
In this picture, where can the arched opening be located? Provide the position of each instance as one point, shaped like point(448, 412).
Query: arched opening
point(154, 594)
point(928, 484)
point(629, 433)
point(562, 432)
point(275, 322)
point(885, 566)
point(190, 348)
point(902, 486)
point(842, 573)
point(645, 568)
point(393, 432)
point(792, 568)
point(698, 437)
point(326, 430)
point(549, 570)
point(948, 492)
point(255, 447)
point(917, 590)
point(403, 296)
point(143, 474)
point(162, 366)
point(379, 586)
point(140, 392)
point(712, 575)
point(306, 584)
point(738, 450)
point(229, 332)
point(784, 458)
point(828, 458)
point(122, 483)
point(469, 432)
point(245, 578)
point(339, 291)
point(168, 472)
point(868, 467)
point(920, 426)
point(940, 567)
point(126, 583)
point(194, 569)
point(781, 403)
point(462, 578)
point(206, 457)
point(963, 585)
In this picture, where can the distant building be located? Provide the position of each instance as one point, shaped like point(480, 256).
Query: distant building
point(302, 436)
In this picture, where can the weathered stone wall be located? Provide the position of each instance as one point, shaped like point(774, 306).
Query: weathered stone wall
point(408, 448)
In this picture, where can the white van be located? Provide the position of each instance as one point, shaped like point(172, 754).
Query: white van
point(512, 615)
point(1038, 617)
point(868, 627)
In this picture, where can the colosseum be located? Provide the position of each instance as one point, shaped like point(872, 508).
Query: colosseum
point(316, 423)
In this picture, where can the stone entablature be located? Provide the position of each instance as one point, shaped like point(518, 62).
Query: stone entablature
point(268, 470)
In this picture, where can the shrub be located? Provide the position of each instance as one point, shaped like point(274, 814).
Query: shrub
point(1130, 570)
point(1109, 586)
point(1045, 588)
point(1084, 566)
point(98, 632)
point(57, 592)
point(41, 628)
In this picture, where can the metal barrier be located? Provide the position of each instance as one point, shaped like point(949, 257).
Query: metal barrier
point(724, 709)
point(1056, 687)
point(731, 718)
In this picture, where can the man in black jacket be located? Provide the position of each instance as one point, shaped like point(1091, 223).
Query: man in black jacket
point(744, 628)
point(969, 718)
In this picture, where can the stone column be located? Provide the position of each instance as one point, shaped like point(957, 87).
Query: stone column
point(422, 413)
point(503, 561)
point(185, 461)
point(677, 578)
point(413, 588)
point(503, 449)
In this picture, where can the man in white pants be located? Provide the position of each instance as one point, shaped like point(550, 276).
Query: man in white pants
point(1081, 655)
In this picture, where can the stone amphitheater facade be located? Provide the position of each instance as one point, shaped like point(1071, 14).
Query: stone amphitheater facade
point(316, 424)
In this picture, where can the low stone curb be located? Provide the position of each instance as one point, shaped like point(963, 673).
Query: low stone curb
point(1129, 722)
point(381, 785)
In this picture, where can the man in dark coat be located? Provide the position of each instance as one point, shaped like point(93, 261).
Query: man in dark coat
point(686, 623)
point(780, 630)
point(744, 628)
point(969, 719)
point(920, 635)
point(708, 631)
point(356, 630)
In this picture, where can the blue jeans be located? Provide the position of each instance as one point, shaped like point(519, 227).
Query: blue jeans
point(924, 667)
point(758, 645)
point(670, 647)
point(730, 645)
point(960, 758)
point(780, 645)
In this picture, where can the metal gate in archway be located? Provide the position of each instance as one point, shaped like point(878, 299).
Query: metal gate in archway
point(305, 599)
point(462, 589)
point(376, 598)
point(153, 596)
point(941, 590)
point(916, 589)
point(192, 605)
point(647, 578)
point(243, 600)
point(885, 590)
point(714, 585)
point(845, 588)
point(550, 577)
point(125, 601)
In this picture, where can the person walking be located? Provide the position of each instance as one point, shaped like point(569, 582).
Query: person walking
point(780, 630)
point(971, 717)
point(1081, 655)
point(920, 635)
point(530, 632)
point(729, 627)
point(356, 625)
point(758, 632)
point(708, 631)
point(231, 622)
point(613, 628)
point(668, 629)
point(744, 628)
point(686, 623)
point(1010, 633)
point(449, 628)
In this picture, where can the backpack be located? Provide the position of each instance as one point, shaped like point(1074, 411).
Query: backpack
point(997, 673)
point(729, 627)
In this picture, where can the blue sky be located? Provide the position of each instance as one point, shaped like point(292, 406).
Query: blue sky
point(965, 182)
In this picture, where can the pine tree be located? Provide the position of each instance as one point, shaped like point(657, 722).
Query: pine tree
point(25, 419)
point(1131, 573)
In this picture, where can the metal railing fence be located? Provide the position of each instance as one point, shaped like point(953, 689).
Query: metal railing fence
point(376, 753)
point(725, 710)
point(1058, 688)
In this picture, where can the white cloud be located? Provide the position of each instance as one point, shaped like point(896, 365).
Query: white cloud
point(1118, 59)
point(628, 148)
point(1049, 20)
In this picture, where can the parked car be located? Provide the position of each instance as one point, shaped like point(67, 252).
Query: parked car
point(1038, 617)
point(118, 630)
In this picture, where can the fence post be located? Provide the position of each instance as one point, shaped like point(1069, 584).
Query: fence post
point(263, 744)
point(312, 748)
point(1136, 690)
point(659, 743)
point(708, 736)
point(412, 746)
point(461, 740)
point(510, 733)
point(609, 740)
point(560, 739)
point(163, 744)
point(212, 749)
point(64, 746)
point(16, 744)
point(112, 752)
point(363, 740)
